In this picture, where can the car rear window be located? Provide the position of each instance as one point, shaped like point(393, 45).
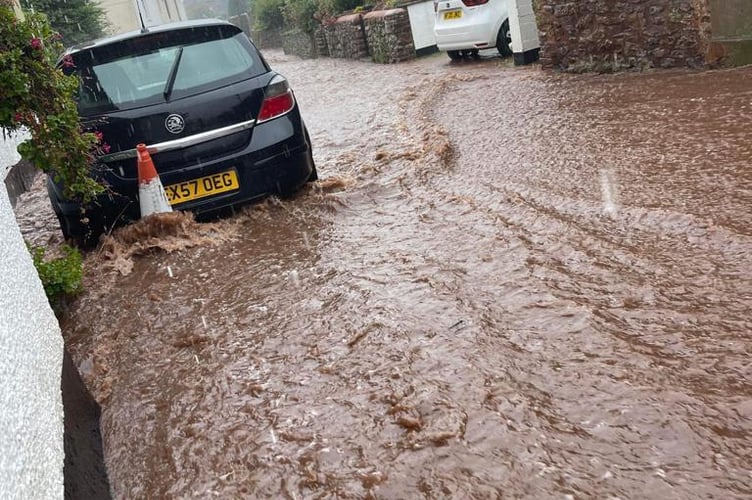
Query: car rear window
point(134, 72)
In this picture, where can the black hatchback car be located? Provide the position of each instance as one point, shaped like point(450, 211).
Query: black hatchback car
point(208, 106)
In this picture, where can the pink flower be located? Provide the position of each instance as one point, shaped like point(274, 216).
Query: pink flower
point(99, 135)
point(68, 62)
point(18, 117)
point(106, 148)
point(36, 43)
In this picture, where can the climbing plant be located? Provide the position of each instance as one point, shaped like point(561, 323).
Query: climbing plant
point(37, 97)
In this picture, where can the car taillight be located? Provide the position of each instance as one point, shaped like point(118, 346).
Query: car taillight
point(473, 3)
point(278, 99)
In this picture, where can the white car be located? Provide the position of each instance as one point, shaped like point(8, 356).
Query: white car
point(463, 27)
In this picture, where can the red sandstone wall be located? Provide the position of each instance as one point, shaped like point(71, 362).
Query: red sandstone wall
point(610, 35)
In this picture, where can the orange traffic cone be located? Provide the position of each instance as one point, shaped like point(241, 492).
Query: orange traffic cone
point(151, 194)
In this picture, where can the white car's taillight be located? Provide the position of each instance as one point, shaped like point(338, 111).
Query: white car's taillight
point(278, 99)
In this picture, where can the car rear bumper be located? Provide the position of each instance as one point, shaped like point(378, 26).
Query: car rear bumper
point(277, 160)
point(466, 37)
point(472, 33)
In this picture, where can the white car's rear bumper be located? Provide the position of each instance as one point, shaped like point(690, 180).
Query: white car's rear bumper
point(465, 34)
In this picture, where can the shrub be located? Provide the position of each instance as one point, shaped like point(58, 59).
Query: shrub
point(38, 97)
point(336, 7)
point(304, 15)
point(301, 14)
point(61, 276)
point(268, 14)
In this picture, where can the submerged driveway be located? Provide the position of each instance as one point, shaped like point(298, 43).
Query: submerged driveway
point(508, 283)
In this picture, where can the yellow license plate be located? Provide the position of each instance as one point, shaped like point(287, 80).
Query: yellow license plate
point(202, 187)
point(452, 14)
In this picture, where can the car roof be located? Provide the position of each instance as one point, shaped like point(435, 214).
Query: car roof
point(199, 23)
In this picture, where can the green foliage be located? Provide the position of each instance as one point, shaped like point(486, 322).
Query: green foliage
point(305, 15)
point(336, 7)
point(38, 97)
point(61, 276)
point(268, 14)
point(76, 20)
point(301, 14)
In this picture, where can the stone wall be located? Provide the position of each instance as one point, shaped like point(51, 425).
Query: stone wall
point(611, 35)
point(390, 39)
point(319, 37)
point(267, 39)
point(345, 38)
point(299, 43)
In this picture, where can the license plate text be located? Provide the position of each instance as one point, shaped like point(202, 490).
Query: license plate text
point(202, 187)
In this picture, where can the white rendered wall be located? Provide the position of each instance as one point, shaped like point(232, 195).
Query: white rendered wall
point(523, 26)
point(422, 20)
point(123, 14)
point(31, 357)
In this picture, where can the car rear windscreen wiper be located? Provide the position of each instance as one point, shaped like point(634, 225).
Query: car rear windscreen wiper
point(173, 73)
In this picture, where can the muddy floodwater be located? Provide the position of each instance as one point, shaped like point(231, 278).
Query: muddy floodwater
point(507, 284)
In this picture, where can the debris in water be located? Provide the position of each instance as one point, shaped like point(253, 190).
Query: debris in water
point(294, 278)
point(167, 232)
point(335, 183)
point(410, 423)
point(458, 325)
point(356, 338)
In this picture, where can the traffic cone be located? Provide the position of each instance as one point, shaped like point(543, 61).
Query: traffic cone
point(151, 194)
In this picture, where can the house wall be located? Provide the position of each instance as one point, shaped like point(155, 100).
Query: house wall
point(31, 356)
point(607, 35)
point(122, 15)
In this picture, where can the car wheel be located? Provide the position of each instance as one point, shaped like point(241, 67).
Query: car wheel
point(454, 55)
point(314, 174)
point(504, 40)
point(76, 232)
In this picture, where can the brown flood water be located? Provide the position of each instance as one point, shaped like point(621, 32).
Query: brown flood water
point(509, 284)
